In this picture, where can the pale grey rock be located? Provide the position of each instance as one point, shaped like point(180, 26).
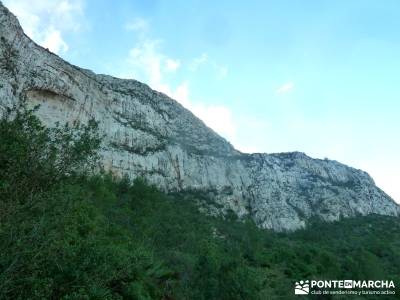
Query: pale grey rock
point(150, 135)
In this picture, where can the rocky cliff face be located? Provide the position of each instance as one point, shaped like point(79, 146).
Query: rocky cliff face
point(150, 135)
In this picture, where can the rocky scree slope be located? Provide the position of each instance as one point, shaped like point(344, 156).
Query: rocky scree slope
point(148, 134)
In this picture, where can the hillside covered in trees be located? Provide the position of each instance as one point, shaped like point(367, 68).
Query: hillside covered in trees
point(68, 231)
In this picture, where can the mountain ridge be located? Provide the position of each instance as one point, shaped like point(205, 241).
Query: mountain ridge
point(148, 134)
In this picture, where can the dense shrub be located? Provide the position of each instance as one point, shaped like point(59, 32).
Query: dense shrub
point(66, 233)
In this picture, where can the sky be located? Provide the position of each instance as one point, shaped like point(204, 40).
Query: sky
point(320, 77)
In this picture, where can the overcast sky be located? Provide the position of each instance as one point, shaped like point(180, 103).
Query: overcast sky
point(321, 77)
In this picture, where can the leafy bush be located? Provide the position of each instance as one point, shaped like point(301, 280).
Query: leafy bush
point(34, 158)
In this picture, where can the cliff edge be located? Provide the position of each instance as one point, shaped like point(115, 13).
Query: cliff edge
point(148, 134)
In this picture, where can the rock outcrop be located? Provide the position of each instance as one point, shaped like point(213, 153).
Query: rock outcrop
point(150, 135)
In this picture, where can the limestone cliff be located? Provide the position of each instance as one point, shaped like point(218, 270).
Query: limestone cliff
point(148, 134)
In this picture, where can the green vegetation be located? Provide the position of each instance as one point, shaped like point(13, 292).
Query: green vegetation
point(68, 234)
